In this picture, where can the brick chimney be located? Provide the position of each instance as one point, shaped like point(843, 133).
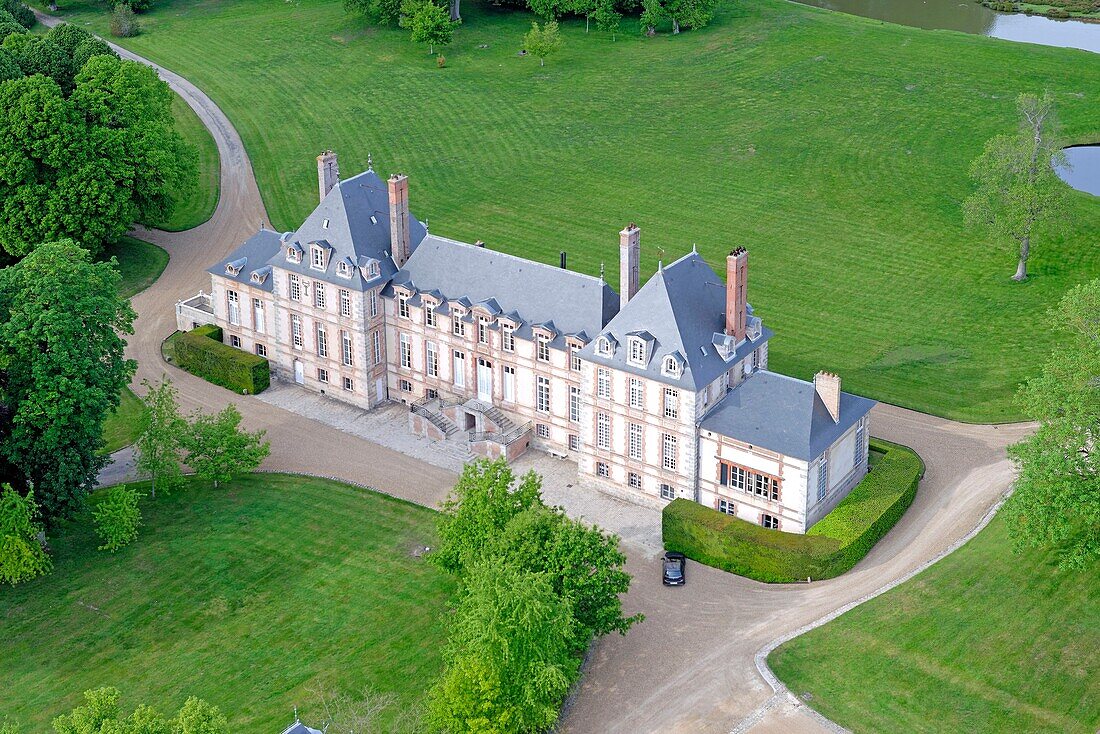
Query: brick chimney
point(737, 275)
point(328, 173)
point(399, 218)
point(630, 251)
point(827, 386)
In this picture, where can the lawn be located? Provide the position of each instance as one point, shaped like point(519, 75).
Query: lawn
point(835, 148)
point(247, 596)
point(984, 641)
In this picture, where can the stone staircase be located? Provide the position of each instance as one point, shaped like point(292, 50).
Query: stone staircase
point(494, 414)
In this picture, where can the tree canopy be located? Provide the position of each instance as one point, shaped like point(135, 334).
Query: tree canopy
point(543, 41)
point(428, 23)
point(22, 557)
point(101, 713)
point(159, 448)
point(218, 449)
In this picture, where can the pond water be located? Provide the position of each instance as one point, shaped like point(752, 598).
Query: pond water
point(1083, 173)
point(970, 17)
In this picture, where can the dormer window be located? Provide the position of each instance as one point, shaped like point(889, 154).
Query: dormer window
point(636, 354)
point(230, 270)
point(671, 367)
point(372, 269)
point(343, 269)
point(603, 346)
point(293, 255)
point(316, 258)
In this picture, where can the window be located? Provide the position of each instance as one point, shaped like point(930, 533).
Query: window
point(322, 340)
point(636, 351)
point(726, 507)
point(769, 521)
point(261, 349)
point(603, 383)
point(542, 394)
point(432, 360)
point(667, 492)
point(762, 486)
point(672, 403)
point(458, 326)
point(322, 375)
point(293, 254)
point(346, 347)
point(508, 337)
point(403, 306)
point(822, 478)
point(349, 384)
point(574, 442)
point(637, 393)
point(671, 367)
point(543, 352)
point(318, 295)
point(860, 448)
point(459, 369)
point(574, 404)
point(482, 331)
point(316, 258)
point(634, 479)
point(603, 431)
point(234, 302)
point(429, 314)
point(376, 347)
point(603, 347)
point(406, 386)
point(295, 287)
point(431, 394)
point(508, 384)
point(635, 442)
point(259, 323)
point(343, 269)
point(575, 358)
point(372, 303)
point(235, 341)
point(732, 476)
point(345, 302)
point(406, 351)
point(372, 269)
point(602, 470)
point(542, 430)
point(668, 451)
point(296, 330)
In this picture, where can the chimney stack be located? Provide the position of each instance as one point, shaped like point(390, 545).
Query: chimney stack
point(827, 386)
point(630, 250)
point(399, 218)
point(737, 275)
point(328, 173)
point(561, 256)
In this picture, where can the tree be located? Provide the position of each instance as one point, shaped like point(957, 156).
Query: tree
point(543, 42)
point(653, 14)
point(218, 450)
point(124, 22)
point(40, 55)
point(68, 36)
point(689, 13)
point(117, 517)
point(61, 348)
point(508, 656)
point(22, 556)
point(429, 23)
point(1017, 188)
point(484, 499)
point(606, 17)
point(387, 12)
point(1056, 502)
point(9, 68)
point(160, 446)
point(22, 14)
point(199, 717)
point(87, 49)
point(9, 27)
point(101, 713)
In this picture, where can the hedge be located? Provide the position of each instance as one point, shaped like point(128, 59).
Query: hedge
point(832, 546)
point(201, 352)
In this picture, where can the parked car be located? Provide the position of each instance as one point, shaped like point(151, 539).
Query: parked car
point(674, 565)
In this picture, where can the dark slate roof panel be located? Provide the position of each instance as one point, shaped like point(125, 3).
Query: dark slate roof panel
point(255, 253)
point(783, 414)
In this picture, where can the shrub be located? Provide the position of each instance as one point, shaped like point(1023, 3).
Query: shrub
point(124, 23)
point(117, 517)
point(23, 15)
point(831, 547)
point(22, 557)
point(139, 6)
point(201, 352)
point(9, 27)
point(9, 68)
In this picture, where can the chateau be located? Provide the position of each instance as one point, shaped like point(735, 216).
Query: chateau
point(657, 392)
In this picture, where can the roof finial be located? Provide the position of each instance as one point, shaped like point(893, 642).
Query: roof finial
point(425, 226)
point(660, 266)
point(601, 272)
point(694, 248)
point(296, 719)
point(370, 163)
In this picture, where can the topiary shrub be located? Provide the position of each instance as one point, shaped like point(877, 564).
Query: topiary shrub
point(23, 15)
point(124, 23)
point(201, 352)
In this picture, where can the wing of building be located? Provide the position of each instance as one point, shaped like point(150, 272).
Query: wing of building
point(658, 391)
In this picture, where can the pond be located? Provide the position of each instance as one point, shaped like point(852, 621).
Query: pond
point(970, 17)
point(1083, 172)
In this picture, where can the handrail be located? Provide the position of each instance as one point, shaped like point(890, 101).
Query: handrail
point(498, 437)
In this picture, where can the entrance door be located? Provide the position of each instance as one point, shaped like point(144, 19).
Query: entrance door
point(299, 372)
point(380, 390)
point(484, 381)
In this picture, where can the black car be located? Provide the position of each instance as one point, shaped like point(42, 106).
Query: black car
point(674, 564)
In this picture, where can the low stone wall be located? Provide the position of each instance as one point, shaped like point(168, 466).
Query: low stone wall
point(421, 426)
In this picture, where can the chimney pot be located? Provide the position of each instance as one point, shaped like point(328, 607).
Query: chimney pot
point(630, 250)
point(827, 386)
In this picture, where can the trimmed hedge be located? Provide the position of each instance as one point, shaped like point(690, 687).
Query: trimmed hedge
point(201, 352)
point(832, 546)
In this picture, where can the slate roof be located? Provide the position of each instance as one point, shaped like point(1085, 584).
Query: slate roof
point(682, 307)
point(567, 302)
point(299, 728)
point(251, 255)
point(783, 414)
point(357, 213)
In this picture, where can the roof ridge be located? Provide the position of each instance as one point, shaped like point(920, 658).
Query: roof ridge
point(529, 261)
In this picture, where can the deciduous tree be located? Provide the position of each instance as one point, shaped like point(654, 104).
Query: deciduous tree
point(22, 557)
point(117, 517)
point(160, 446)
point(219, 450)
point(101, 713)
point(61, 347)
point(1017, 188)
point(386, 12)
point(428, 23)
point(543, 42)
point(1056, 502)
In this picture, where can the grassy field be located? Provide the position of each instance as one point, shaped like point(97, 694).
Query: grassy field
point(984, 641)
point(835, 148)
point(246, 596)
point(198, 206)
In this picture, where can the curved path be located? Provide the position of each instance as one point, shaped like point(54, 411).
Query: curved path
point(690, 666)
